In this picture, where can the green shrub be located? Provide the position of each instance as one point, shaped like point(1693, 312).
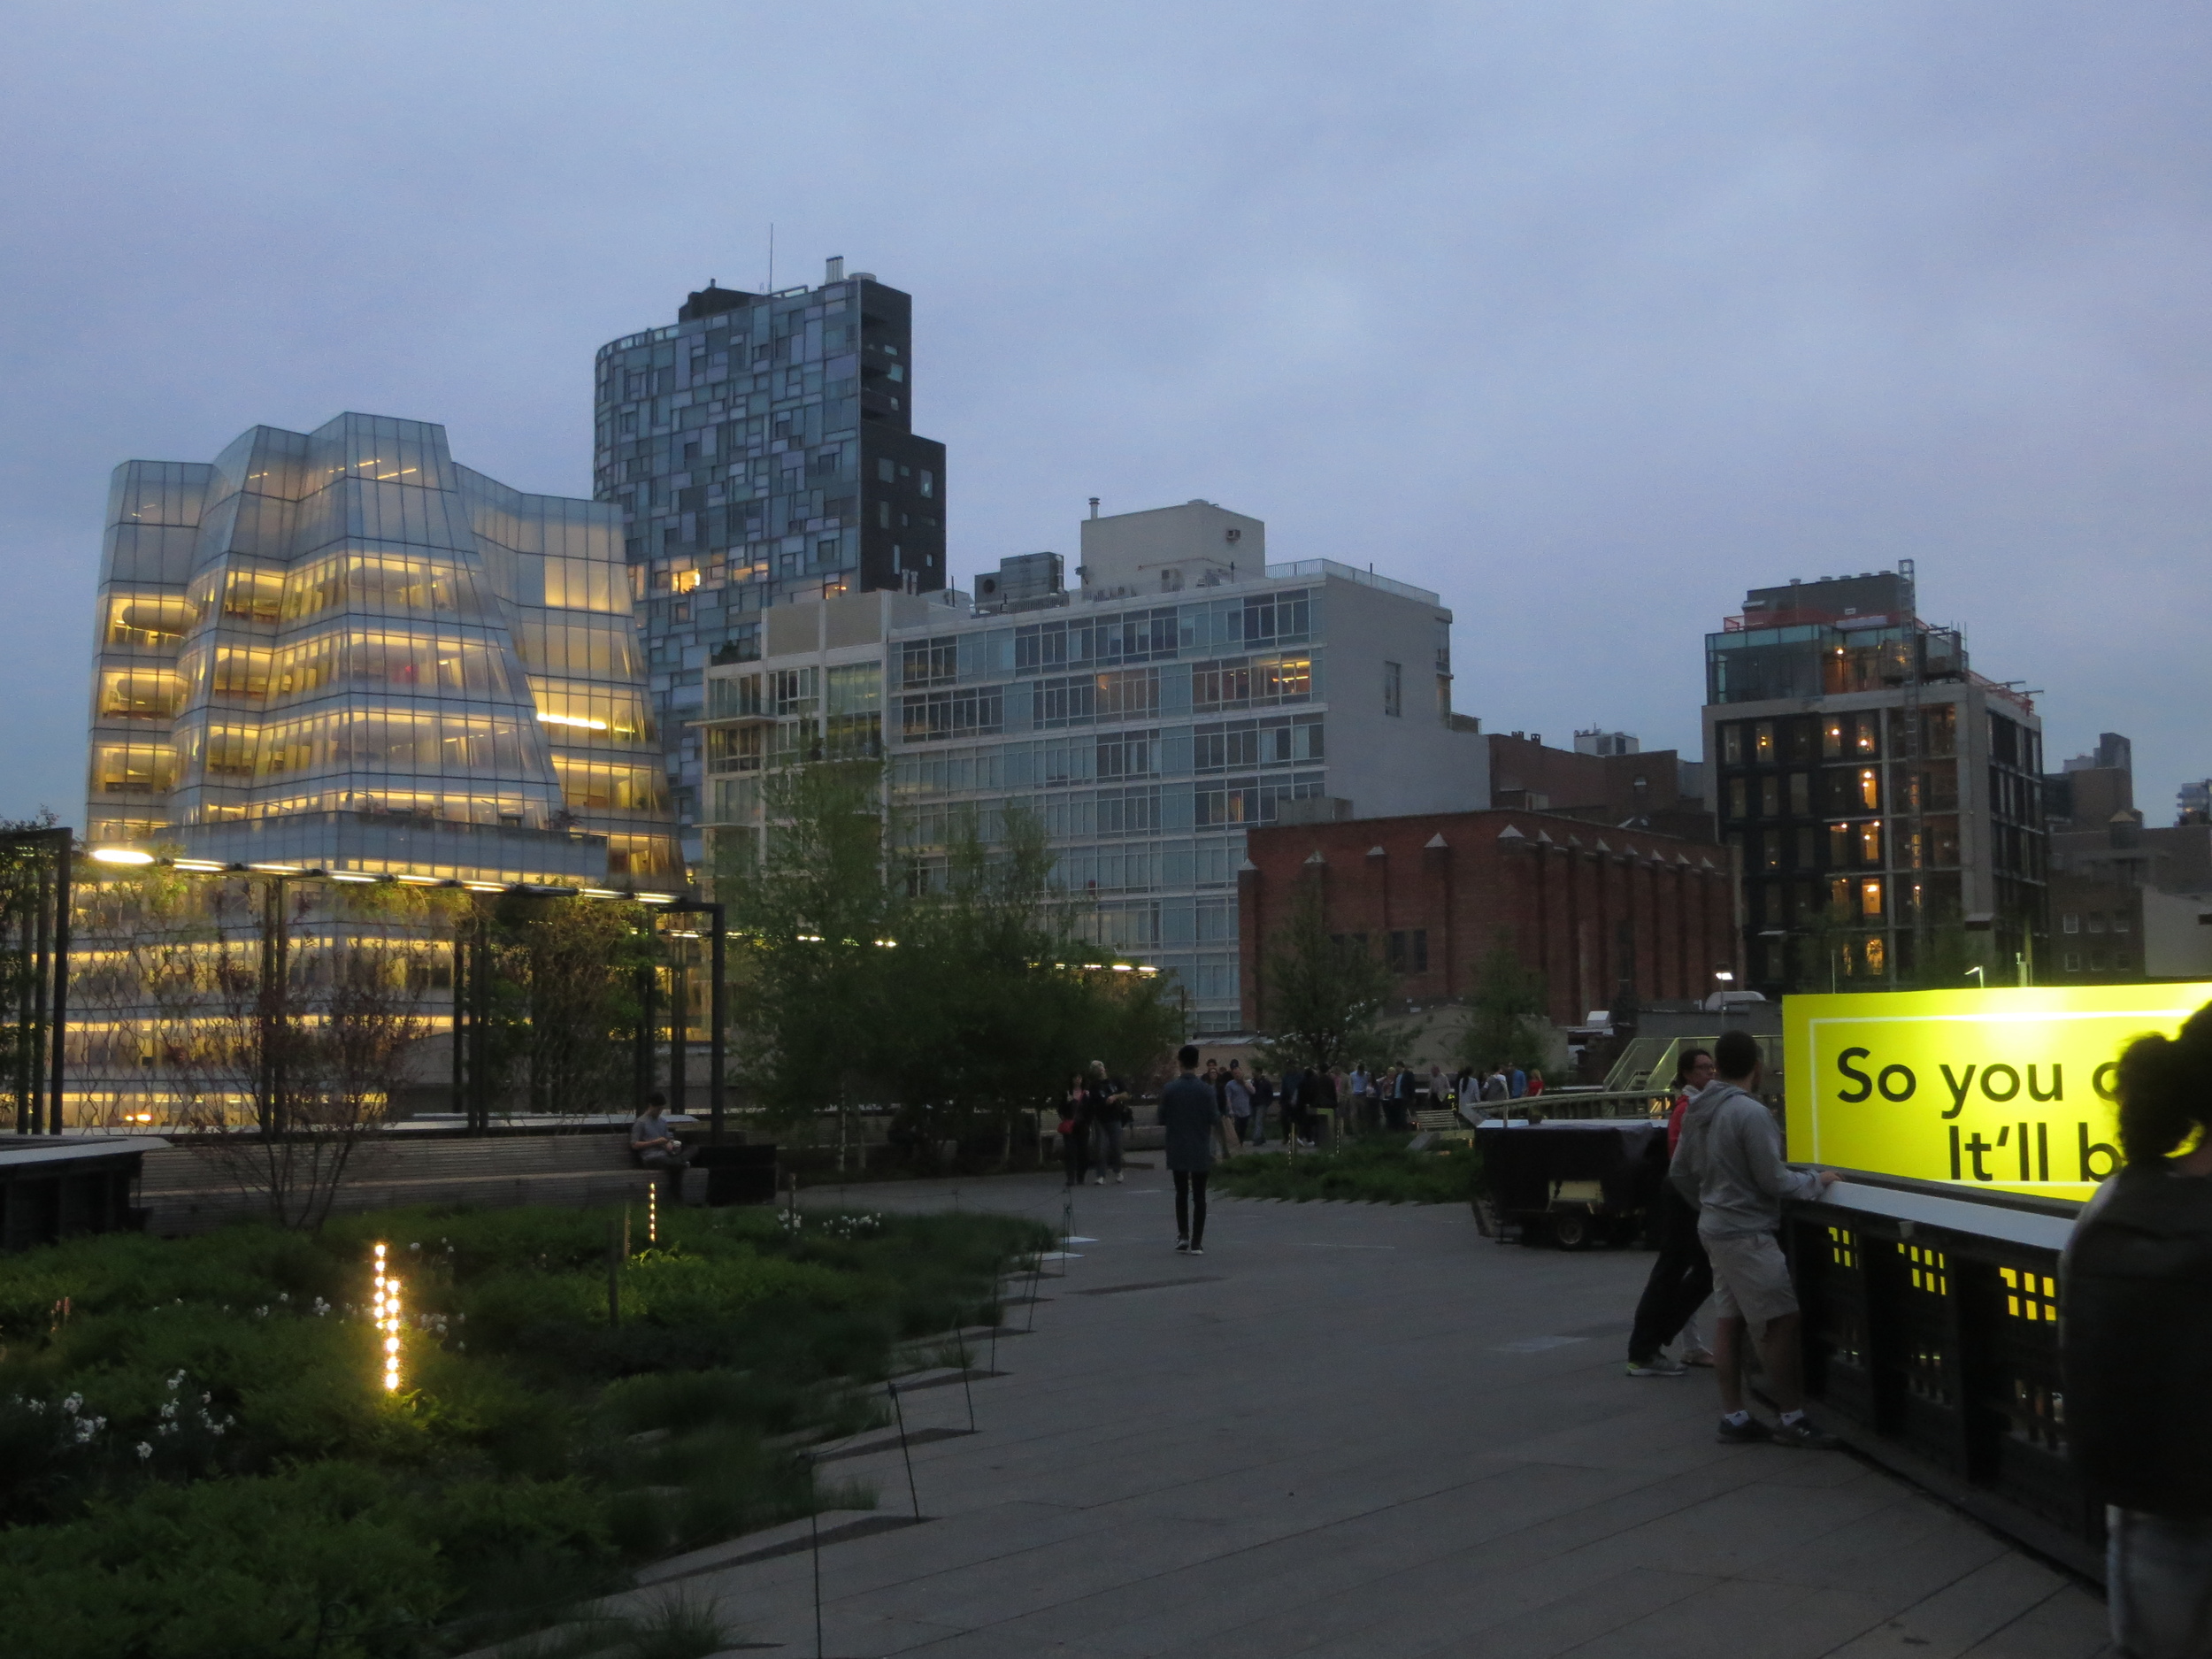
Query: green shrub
point(1376, 1170)
point(197, 1457)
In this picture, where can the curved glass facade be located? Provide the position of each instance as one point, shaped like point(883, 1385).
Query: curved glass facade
point(342, 649)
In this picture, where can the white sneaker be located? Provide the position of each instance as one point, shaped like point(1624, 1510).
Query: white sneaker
point(1117, 1178)
point(1098, 1181)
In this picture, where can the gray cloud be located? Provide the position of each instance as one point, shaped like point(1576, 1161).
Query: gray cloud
point(1588, 316)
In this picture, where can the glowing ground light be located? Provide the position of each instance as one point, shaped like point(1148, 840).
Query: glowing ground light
point(652, 1212)
point(385, 1308)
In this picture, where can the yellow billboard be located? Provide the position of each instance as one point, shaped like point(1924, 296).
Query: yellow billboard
point(2008, 1090)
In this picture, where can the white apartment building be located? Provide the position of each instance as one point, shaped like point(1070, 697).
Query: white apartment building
point(1187, 689)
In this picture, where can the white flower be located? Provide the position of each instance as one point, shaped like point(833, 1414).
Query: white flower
point(72, 1403)
point(169, 1410)
point(144, 1451)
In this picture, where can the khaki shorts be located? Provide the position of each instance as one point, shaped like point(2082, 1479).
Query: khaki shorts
point(1751, 1281)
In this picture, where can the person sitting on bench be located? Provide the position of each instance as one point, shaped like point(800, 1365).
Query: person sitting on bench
point(653, 1143)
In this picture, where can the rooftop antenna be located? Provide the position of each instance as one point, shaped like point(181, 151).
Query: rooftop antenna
point(772, 256)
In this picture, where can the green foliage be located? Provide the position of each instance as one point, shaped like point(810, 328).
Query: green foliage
point(1322, 995)
point(1377, 1169)
point(197, 1457)
point(960, 994)
point(1507, 1022)
point(564, 997)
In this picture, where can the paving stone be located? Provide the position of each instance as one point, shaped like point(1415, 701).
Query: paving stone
point(1311, 1443)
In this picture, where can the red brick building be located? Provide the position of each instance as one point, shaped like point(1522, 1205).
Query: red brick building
point(1589, 906)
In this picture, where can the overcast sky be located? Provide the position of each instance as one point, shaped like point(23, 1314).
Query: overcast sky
point(1588, 317)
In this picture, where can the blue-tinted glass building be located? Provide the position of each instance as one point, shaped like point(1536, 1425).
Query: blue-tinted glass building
point(761, 449)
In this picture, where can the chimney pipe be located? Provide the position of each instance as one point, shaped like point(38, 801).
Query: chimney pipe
point(1093, 506)
point(834, 268)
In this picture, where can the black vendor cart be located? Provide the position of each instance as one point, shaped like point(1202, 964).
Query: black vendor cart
point(1575, 1183)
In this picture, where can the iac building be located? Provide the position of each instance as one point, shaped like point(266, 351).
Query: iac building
point(342, 649)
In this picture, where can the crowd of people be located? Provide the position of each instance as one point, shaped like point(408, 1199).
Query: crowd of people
point(1096, 1110)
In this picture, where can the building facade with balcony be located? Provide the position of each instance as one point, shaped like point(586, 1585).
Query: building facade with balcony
point(1882, 796)
point(1186, 692)
point(761, 449)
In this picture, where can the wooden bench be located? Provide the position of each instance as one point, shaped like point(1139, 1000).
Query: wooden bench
point(185, 1192)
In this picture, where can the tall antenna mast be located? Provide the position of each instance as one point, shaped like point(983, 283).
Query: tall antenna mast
point(772, 256)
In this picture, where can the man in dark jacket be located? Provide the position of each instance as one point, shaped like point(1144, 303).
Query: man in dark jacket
point(1193, 1118)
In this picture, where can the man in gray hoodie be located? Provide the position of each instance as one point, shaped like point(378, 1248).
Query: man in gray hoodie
point(1729, 1166)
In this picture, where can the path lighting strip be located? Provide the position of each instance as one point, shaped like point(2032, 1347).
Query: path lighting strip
point(386, 1307)
point(652, 1212)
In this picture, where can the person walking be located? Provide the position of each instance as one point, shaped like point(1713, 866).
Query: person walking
point(1681, 1276)
point(1362, 1086)
point(1729, 1163)
point(1516, 1082)
point(1109, 1110)
point(1237, 1095)
point(1535, 1084)
point(2136, 1345)
point(1194, 1124)
point(1075, 1127)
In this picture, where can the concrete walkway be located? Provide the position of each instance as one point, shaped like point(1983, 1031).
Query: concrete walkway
point(1358, 1430)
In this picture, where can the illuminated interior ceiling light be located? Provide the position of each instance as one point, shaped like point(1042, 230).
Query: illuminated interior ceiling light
point(417, 881)
point(570, 719)
point(888, 944)
point(1123, 967)
point(347, 875)
point(1148, 970)
point(122, 855)
point(601, 893)
point(276, 870)
point(810, 939)
point(483, 887)
point(655, 898)
point(201, 864)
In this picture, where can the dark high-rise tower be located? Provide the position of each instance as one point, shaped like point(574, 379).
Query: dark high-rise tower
point(762, 449)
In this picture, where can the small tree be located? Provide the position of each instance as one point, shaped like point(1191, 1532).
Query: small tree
point(1508, 1023)
point(1323, 994)
point(814, 986)
point(563, 996)
point(282, 1019)
point(964, 999)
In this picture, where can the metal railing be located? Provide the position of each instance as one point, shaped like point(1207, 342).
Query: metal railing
point(1931, 1345)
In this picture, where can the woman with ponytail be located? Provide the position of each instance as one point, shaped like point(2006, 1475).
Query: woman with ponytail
point(2136, 1341)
